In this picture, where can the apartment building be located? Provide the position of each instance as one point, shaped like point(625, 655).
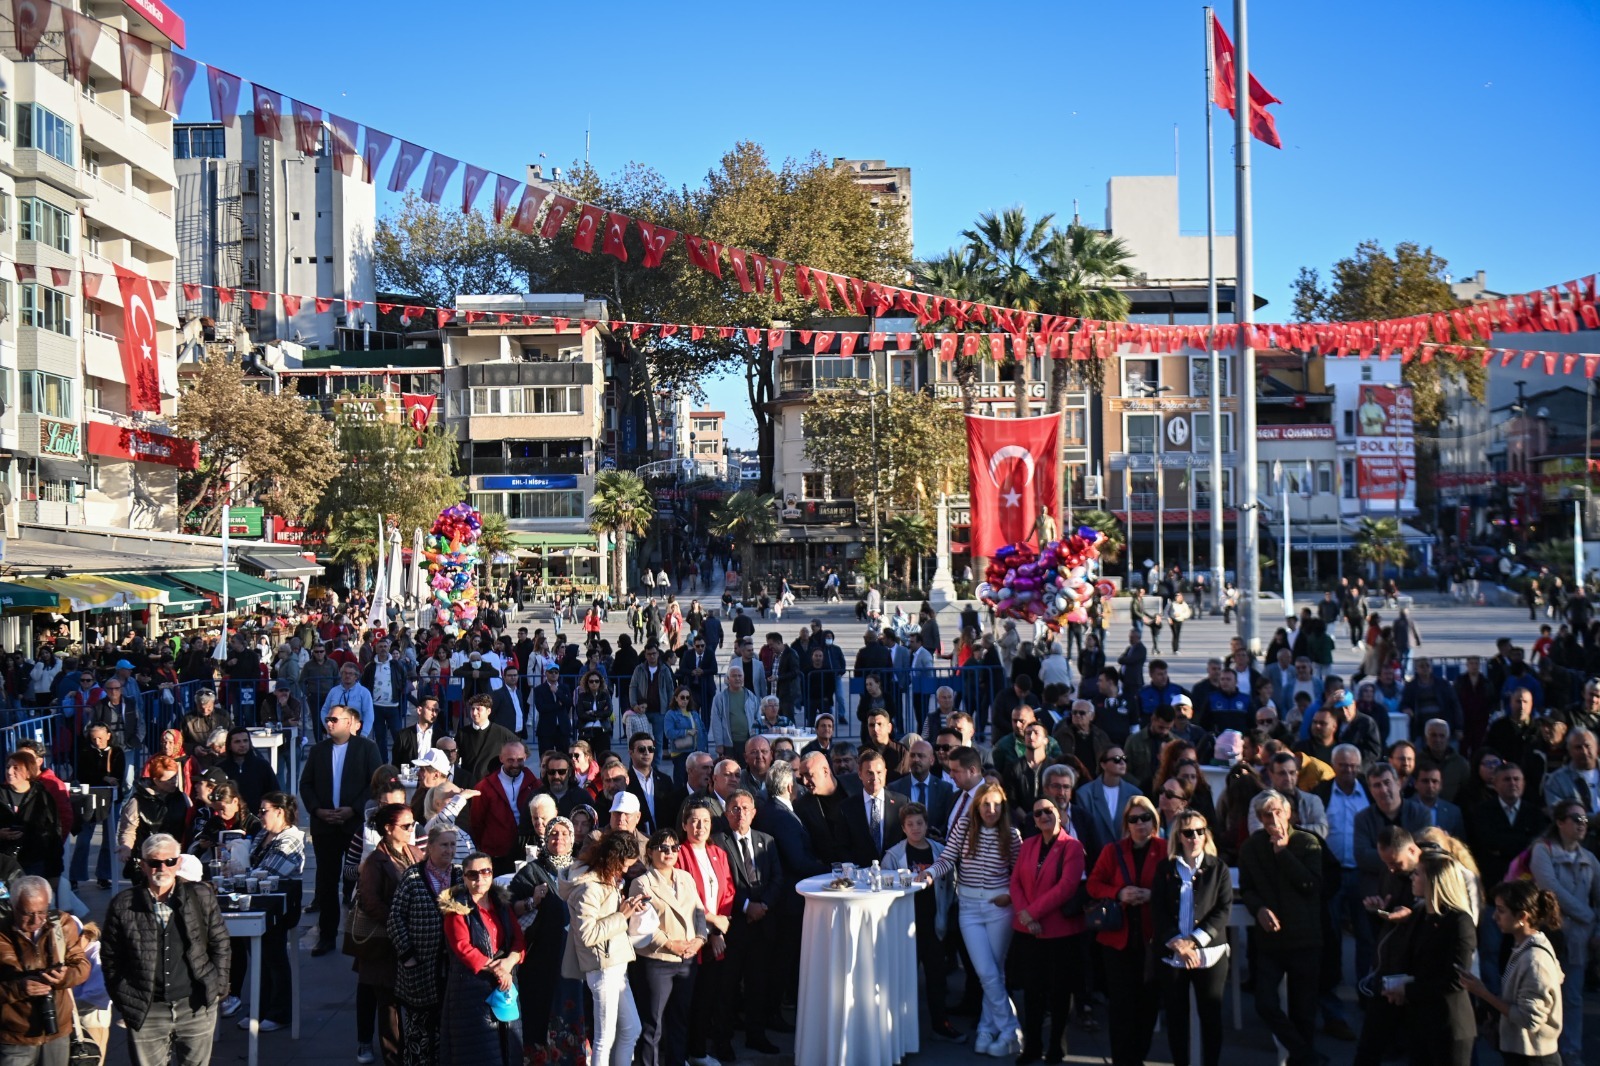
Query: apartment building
point(705, 443)
point(885, 184)
point(86, 185)
point(254, 213)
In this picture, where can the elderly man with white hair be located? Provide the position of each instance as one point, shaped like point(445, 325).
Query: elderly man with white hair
point(733, 714)
point(42, 956)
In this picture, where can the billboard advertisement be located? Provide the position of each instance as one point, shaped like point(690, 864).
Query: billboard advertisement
point(1386, 463)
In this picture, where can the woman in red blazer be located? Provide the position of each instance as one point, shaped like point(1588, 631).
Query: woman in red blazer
point(709, 1021)
point(1126, 872)
point(1048, 944)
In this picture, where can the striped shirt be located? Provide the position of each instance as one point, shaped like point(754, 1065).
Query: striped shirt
point(985, 871)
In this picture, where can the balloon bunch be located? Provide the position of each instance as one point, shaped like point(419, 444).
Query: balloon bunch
point(1049, 585)
point(451, 549)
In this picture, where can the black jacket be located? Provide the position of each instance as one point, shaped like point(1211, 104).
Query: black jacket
point(769, 883)
point(1288, 883)
point(1439, 947)
point(824, 821)
point(479, 752)
point(255, 777)
point(316, 783)
point(862, 850)
point(668, 800)
point(1496, 841)
point(406, 746)
point(794, 852)
point(132, 947)
point(1213, 900)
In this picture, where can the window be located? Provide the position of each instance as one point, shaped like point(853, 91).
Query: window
point(1349, 423)
point(42, 221)
point(1366, 373)
point(8, 392)
point(539, 504)
point(1200, 375)
point(6, 303)
point(1349, 466)
point(1140, 434)
point(1073, 433)
point(46, 131)
point(1137, 373)
point(814, 486)
point(203, 142)
point(94, 475)
point(46, 308)
point(295, 215)
point(531, 400)
point(1202, 431)
point(5, 211)
point(1325, 477)
point(830, 368)
point(1201, 482)
point(5, 116)
point(47, 394)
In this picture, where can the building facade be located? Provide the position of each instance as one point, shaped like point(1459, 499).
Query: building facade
point(255, 214)
point(885, 184)
point(86, 186)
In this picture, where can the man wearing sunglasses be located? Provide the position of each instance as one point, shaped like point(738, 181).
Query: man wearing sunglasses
point(334, 789)
point(658, 797)
point(1097, 810)
point(166, 955)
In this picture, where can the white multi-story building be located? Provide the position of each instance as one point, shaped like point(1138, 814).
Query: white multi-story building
point(253, 213)
point(86, 184)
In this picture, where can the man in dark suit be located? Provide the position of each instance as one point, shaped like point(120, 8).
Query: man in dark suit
point(821, 810)
point(1387, 808)
point(797, 861)
point(1499, 829)
point(658, 796)
point(872, 819)
point(479, 742)
point(552, 713)
point(334, 788)
point(510, 708)
point(758, 884)
point(415, 739)
point(1440, 811)
point(922, 786)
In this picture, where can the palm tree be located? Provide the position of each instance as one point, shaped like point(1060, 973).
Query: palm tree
point(494, 538)
point(621, 506)
point(353, 540)
point(1009, 253)
point(956, 274)
point(1080, 266)
point(746, 518)
point(1102, 522)
point(909, 536)
point(1379, 544)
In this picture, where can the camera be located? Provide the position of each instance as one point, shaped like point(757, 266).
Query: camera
point(47, 1014)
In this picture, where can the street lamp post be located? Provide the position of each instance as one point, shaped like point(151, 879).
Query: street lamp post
point(1154, 392)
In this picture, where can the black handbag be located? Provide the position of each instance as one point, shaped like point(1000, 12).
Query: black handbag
point(1106, 915)
point(1078, 902)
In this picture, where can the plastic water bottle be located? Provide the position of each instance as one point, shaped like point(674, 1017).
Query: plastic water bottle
point(875, 877)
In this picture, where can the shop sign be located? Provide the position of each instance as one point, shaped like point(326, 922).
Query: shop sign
point(142, 446)
point(1294, 433)
point(819, 512)
point(988, 391)
point(491, 482)
point(366, 410)
point(59, 438)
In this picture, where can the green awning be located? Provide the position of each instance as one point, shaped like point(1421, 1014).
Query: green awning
point(180, 598)
point(243, 590)
point(24, 598)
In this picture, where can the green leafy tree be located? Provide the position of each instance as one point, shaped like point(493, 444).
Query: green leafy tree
point(437, 253)
point(746, 518)
point(909, 537)
point(494, 539)
point(383, 471)
point(621, 507)
point(1375, 284)
point(1379, 544)
point(1105, 523)
point(910, 445)
point(352, 539)
point(254, 446)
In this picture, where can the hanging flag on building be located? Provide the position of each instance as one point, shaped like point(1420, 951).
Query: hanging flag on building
point(140, 359)
point(1262, 125)
point(1014, 478)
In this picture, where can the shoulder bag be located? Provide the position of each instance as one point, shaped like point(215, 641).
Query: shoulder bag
point(1106, 915)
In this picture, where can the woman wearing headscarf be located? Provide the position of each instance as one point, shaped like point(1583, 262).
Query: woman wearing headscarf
point(551, 1005)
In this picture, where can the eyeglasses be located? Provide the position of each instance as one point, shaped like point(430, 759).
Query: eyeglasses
point(942, 747)
point(1578, 819)
point(1172, 795)
point(1080, 714)
point(1043, 813)
point(333, 719)
point(1193, 834)
point(619, 782)
point(473, 875)
point(404, 825)
point(168, 863)
point(646, 749)
point(1114, 759)
point(1139, 819)
point(666, 849)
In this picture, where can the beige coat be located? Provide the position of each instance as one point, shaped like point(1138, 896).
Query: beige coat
point(598, 934)
point(1532, 988)
point(676, 901)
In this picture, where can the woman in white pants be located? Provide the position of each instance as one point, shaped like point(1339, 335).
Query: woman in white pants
point(982, 850)
point(599, 948)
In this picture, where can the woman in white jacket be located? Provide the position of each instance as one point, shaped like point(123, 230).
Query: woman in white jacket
point(1529, 1003)
point(598, 946)
point(1563, 866)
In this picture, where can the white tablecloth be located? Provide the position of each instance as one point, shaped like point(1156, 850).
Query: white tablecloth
point(858, 977)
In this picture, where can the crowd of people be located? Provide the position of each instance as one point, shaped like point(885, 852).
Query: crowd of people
point(592, 856)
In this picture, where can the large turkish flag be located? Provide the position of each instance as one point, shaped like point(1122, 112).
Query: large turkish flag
point(1014, 478)
point(140, 358)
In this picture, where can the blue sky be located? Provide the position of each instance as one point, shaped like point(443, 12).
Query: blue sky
point(1459, 125)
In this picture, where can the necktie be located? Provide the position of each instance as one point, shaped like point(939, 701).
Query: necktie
point(922, 793)
point(877, 825)
point(749, 860)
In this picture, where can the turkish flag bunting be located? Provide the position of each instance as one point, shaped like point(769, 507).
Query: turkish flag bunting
point(291, 305)
point(775, 339)
point(25, 271)
point(224, 295)
point(820, 290)
point(752, 336)
point(384, 309)
point(805, 336)
point(440, 169)
point(657, 239)
point(668, 329)
point(948, 343)
point(802, 281)
point(324, 304)
point(161, 288)
point(1591, 364)
point(474, 317)
point(705, 254)
point(29, 19)
point(444, 315)
point(1567, 363)
point(560, 206)
point(224, 95)
point(613, 243)
point(844, 293)
point(472, 179)
point(180, 75)
point(758, 271)
point(697, 333)
point(1262, 125)
point(307, 127)
point(583, 234)
point(60, 277)
point(413, 312)
point(136, 62)
point(876, 342)
point(905, 341)
point(82, 33)
point(778, 267)
point(352, 306)
point(191, 292)
point(586, 324)
point(503, 319)
point(531, 320)
point(1506, 355)
point(615, 325)
point(560, 324)
point(344, 133)
point(405, 165)
point(372, 153)
point(969, 344)
point(139, 354)
point(527, 215)
point(997, 347)
point(847, 343)
point(503, 188)
point(740, 270)
point(1013, 479)
point(418, 408)
point(638, 330)
point(821, 341)
point(258, 300)
point(268, 112)
point(1549, 362)
point(854, 299)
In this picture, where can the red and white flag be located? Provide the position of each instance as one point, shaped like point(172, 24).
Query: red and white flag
point(657, 239)
point(180, 75)
point(291, 305)
point(345, 132)
point(613, 243)
point(307, 127)
point(472, 179)
point(269, 112)
point(553, 218)
point(29, 18)
point(372, 153)
point(440, 169)
point(588, 226)
point(528, 210)
point(140, 359)
point(1014, 477)
point(418, 408)
point(1262, 125)
point(224, 95)
point(405, 165)
point(503, 188)
point(82, 33)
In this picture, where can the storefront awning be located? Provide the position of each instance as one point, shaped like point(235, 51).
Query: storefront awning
point(278, 563)
point(243, 590)
point(180, 599)
point(18, 598)
point(813, 535)
point(97, 592)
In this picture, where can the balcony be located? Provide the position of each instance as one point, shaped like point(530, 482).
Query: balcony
point(129, 211)
point(125, 138)
point(37, 165)
point(571, 465)
point(43, 349)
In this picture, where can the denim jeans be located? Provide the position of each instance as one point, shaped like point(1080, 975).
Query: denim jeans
point(616, 1019)
point(986, 931)
point(173, 1034)
point(80, 852)
point(51, 1053)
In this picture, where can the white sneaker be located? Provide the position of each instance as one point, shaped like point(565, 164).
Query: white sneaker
point(267, 1025)
point(1005, 1047)
point(982, 1043)
point(230, 1006)
point(705, 1060)
point(364, 1054)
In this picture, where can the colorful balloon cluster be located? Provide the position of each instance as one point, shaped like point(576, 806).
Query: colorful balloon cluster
point(451, 549)
point(1052, 585)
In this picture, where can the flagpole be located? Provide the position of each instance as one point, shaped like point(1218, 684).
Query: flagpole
point(1218, 499)
point(1245, 314)
point(220, 652)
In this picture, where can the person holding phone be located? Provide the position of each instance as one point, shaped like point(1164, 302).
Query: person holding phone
point(1440, 947)
point(598, 946)
point(1529, 1003)
point(1190, 904)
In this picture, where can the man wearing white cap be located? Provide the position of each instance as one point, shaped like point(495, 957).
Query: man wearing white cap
point(433, 769)
point(625, 817)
